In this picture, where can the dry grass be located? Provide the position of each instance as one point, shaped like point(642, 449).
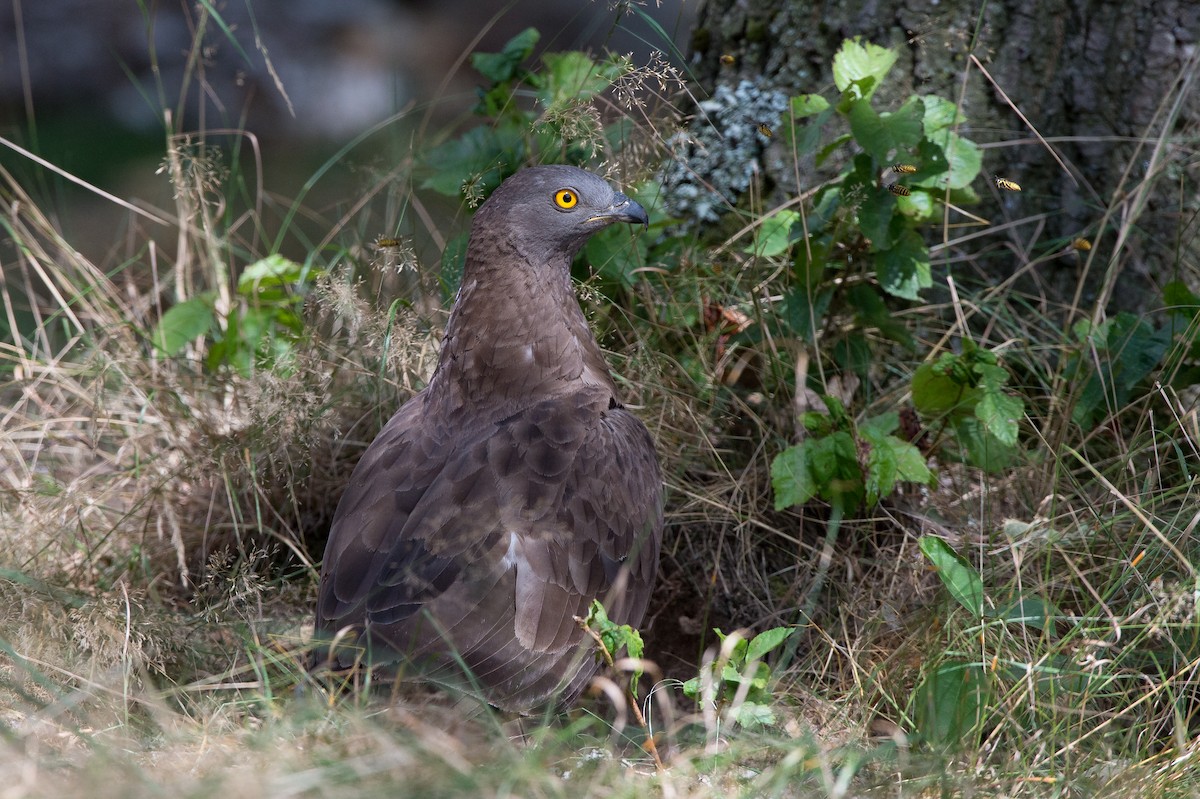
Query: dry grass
point(160, 521)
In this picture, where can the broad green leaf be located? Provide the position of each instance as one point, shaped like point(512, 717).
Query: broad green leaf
point(935, 394)
point(871, 311)
point(1123, 351)
point(183, 323)
point(274, 270)
point(962, 161)
point(807, 105)
point(804, 139)
point(478, 152)
point(918, 206)
point(856, 61)
point(890, 460)
point(882, 134)
point(911, 466)
point(774, 235)
point(573, 77)
point(1032, 612)
point(940, 113)
point(959, 576)
point(1178, 298)
point(767, 640)
point(879, 426)
point(1001, 415)
point(876, 218)
point(804, 314)
point(502, 66)
point(754, 714)
point(833, 146)
point(616, 637)
point(990, 375)
point(982, 449)
point(904, 269)
point(791, 478)
point(853, 353)
point(950, 703)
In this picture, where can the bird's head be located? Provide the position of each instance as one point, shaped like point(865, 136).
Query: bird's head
point(549, 211)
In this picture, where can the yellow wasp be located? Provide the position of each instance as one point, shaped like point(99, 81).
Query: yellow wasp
point(728, 59)
point(765, 129)
point(898, 190)
point(1083, 245)
point(1006, 184)
point(903, 169)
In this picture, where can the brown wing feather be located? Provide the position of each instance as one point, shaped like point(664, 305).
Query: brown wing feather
point(479, 542)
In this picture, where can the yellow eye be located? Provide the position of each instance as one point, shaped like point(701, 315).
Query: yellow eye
point(566, 198)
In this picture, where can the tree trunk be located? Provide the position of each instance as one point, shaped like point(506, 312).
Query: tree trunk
point(1103, 82)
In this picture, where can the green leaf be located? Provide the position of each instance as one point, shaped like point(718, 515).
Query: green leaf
point(940, 113)
point(183, 323)
point(963, 582)
point(791, 478)
point(803, 314)
point(616, 637)
point(862, 66)
point(904, 269)
point(1000, 415)
point(1116, 355)
point(911, 466)
point(766, 641)
point(982, 448)
point(876, 217)
point(950, 703)
point(831, 148)
point(774, 235)
point(274, 270)
point(754, 714)
point(1032, 612)
point(807, 105)
point(949, 161)
point(881, 134)
point(573, 77)
point(871, 311)
point(502, 66)
point(890, 459)
point(1178, 298)
point(478, 152)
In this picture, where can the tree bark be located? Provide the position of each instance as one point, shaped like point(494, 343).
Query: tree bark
point(1102, 82)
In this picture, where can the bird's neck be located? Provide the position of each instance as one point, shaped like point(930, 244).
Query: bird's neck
point(516, 333)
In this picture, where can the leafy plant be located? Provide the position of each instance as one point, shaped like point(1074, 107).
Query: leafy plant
point(845, 463)
point(967, 392)
point(262, 328)
point(738, 679)
point(612, 638)
point(1115, 356)
point(559, 127)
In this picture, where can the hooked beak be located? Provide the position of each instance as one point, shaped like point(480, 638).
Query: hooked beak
point(623, 209)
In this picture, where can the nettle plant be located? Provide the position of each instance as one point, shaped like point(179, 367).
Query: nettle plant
point(856, 246)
